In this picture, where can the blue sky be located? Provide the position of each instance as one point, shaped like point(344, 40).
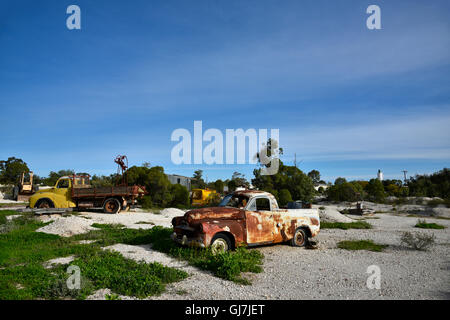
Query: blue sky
point(347, 100)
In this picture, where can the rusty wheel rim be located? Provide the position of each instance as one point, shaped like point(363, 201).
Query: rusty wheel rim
point(111, 206)
point(219, 246)
point(299, 238)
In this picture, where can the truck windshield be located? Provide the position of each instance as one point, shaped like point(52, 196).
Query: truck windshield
point(234, 201)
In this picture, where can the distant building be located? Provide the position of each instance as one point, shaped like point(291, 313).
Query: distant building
point(177, 179)
point(380, 175)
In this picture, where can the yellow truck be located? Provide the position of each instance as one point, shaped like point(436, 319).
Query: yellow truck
point(76, 192)
point(201, 197)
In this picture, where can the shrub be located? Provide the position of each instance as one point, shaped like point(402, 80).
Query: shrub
point(418, 240)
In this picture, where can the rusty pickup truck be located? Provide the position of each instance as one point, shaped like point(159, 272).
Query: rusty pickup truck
point(245, 218)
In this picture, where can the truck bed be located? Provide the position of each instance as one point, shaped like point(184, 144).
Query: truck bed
point(103, 192)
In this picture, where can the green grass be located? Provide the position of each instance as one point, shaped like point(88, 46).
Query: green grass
point(361, 245)
point(424, 225)
point(23, 252)
point(345, 225)
point(108, 269)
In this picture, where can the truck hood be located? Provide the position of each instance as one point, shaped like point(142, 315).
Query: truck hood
point(214, 213)
point(44, 190)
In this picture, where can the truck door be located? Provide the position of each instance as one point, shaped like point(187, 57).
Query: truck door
point(62, 190)
point(259, 221)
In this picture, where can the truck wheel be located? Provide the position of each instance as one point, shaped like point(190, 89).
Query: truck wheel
point(44, 204)
point(15, 193)
point(300, 238)
point(112, 205)
point(220, 243)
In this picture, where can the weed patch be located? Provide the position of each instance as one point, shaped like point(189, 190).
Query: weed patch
point(424, 225)
point(345, 225)
point(361, 245)
point(107, 269)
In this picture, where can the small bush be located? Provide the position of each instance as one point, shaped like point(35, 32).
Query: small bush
point(361, 245)
point(418, 240)
point(424, 225)
point(345, 225)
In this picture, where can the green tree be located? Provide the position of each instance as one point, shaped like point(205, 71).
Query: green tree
point(375, 190)
point(240, 180)
point(284, 197)
point(299, 185)
point(218, 186)
point(54, 176)
point(155, 181)
point(11, 170)
point(231, 185)
point(180, 196)
point(434, 185)
point(345, 191)
point(315, 176)
point(198, 182)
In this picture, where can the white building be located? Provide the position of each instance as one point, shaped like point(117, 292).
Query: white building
point(380, 175)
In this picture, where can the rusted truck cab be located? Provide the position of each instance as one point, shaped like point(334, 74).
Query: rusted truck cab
point(245, 218)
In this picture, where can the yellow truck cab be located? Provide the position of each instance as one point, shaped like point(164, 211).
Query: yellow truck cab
point(60, 195)
point(200, 197)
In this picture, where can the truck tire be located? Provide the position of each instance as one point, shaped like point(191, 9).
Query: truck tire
point(44, 204)
point(300, 238)
point(111, 205)
point(220, 243)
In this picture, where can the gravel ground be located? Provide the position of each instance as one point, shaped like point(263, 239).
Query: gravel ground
point(323, 273)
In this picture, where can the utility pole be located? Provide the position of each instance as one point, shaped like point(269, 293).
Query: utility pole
point(295, 160)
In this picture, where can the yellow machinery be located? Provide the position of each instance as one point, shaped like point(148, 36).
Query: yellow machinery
point(25, 189)
point(201, 197)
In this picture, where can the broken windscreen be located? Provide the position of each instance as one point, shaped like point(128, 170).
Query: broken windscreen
point(234, 201)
